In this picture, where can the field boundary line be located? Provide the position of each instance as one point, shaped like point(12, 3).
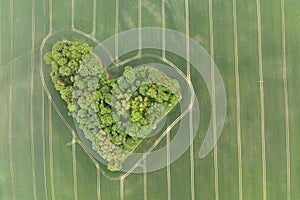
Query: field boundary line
point(187, 40)
point(90, 37)
point(286, 100)
point(43, 122)
point(128, 60)
point(169, 181)
point(211, 33)
point(50, 16)
point(238, 103)
point(94, 18)
point(117, 31)
point(51, 150)
point(145, 178)
point(262, 101)
point(73, 14)
point(74, 167)
point(43, 138)
point(163, 24)
point(140, 27)
point(31, 100)
point(10, 113)
point(187, 47)
point(98, 182)
point(122, 189)
point(44, 17)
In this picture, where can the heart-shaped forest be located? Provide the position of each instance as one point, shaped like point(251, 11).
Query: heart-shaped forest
point(114, 113)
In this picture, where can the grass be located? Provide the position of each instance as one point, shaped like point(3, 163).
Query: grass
point(292, 18)
point(83, 16)
point(49, 132)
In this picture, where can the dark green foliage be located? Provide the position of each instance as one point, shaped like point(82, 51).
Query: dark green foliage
point(113, 114)
point(65, 59)
point(144, 96)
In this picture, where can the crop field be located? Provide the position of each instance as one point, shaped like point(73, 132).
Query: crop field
point(254, 43)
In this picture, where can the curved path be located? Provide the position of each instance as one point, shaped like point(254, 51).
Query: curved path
point(128, 60)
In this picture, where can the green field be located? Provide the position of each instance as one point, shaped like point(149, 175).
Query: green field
point(254, 43)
